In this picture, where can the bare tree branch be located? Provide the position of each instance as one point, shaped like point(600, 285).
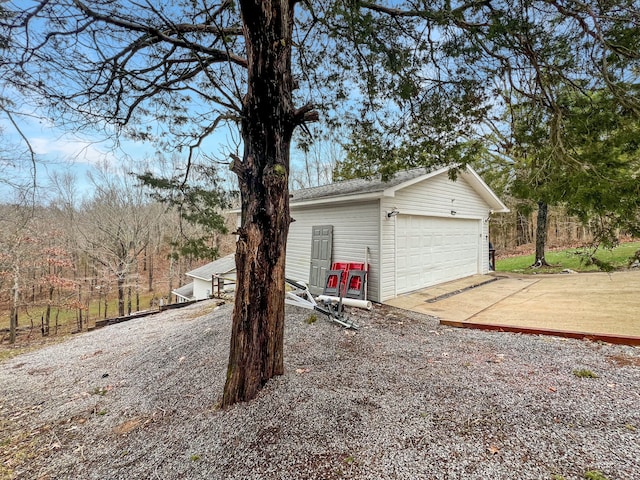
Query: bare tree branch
point(216, 55)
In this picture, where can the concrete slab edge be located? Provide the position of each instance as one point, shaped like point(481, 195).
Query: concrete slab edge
point(594, 337)
point(461, 290)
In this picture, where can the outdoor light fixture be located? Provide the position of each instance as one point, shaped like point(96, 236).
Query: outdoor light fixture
point(393, 213)
point(453, 212)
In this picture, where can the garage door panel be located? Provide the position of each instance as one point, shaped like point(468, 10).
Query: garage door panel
point(433, 250)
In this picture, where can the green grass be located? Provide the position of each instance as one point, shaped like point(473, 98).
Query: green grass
point(594, 475)
point(68, 316)
point(560, 260)
point(7, 353)
point(584, 373)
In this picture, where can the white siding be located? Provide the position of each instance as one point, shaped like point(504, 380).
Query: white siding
point(434, 197)
point(355, 226)
point(431, 197)
point(201, 289)
point(388, 246)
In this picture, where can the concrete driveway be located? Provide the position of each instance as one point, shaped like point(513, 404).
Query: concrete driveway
point(594, 305)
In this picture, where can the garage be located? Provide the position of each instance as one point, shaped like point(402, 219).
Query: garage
point(432, 250)
point(413, 230)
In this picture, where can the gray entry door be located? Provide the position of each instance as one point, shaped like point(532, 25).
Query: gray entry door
point(321, 245)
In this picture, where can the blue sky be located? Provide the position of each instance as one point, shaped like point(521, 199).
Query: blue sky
point(56, 151)
point(78, 152)
point(82, 152)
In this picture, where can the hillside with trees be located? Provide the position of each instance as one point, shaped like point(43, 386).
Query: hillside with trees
point(415, 83)
point(71, 261)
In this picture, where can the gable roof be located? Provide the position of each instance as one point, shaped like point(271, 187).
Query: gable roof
point(185, 291)
point(362, 189)
point(217, 267)
point(356, 186)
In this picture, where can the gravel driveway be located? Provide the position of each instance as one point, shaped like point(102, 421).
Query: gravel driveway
point(403, 398)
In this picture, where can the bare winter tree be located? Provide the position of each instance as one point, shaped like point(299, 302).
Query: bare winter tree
point(114, 226)
point(316, 161)
point(20, 256)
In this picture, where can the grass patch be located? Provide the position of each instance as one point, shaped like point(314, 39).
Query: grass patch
point(7, 353)
point(594, 475)
point(349, 460)
point(584, 373)
point(618, 258)
point(102, 391)
point(19, 447)
point(67, 317)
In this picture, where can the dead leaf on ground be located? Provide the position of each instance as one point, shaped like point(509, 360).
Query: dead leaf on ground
point(553, 389)
point(127, 426)
point(492, 449)
point(89, 355)
point(302, 370)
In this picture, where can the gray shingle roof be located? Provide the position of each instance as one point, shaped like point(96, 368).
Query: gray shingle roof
point(219, 266)
point(357, 186)
point(185, 291)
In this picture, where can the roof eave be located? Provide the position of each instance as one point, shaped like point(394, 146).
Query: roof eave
point(338, 199)
point(209, 279)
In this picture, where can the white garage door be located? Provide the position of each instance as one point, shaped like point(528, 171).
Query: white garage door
point(432, 250)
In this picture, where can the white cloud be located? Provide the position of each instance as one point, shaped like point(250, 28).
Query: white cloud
point(68, 148)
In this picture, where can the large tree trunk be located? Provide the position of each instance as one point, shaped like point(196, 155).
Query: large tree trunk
point(267, 125)
point(541, 235)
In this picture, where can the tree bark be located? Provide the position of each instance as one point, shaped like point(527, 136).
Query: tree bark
point(541, 235)
point(47, 316)
point(120, 295)
point(256, 352)
point(13, 315)
point(149, 265)
point(129, 300)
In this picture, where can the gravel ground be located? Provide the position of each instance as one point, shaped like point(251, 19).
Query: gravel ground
point(403, 398)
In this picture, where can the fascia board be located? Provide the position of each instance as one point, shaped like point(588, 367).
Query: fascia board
point(181, 296)
point(198, 278)
point(340, 199)
point(326, 200)
point(209, 279)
